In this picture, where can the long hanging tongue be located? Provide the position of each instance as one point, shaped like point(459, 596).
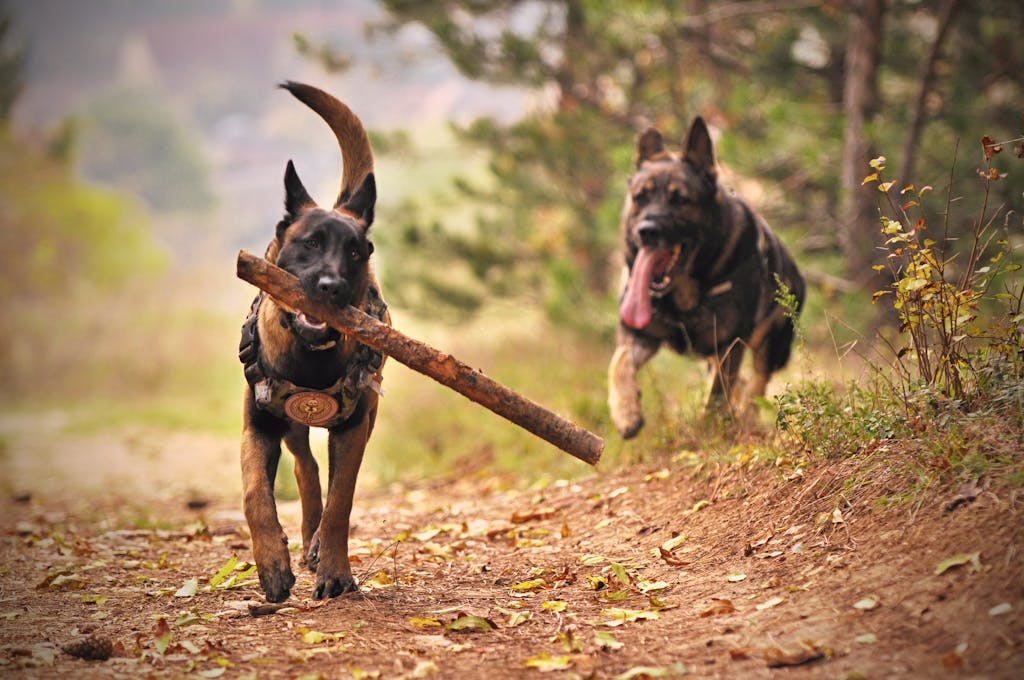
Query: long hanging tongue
point(635, 308)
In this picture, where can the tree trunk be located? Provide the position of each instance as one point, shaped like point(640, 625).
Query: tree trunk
point(927, 79)
point(858, 217)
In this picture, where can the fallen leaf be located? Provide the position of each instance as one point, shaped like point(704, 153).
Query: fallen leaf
point(648, 672)
point(544, 662)
point(604, 640)
point(663, 473)
point(718, 608)
point(162, 640)
point(67, 582)
point(315, 637)
point(189, 588)
point(776, 657)
point(866, 604)
point(768, 555)
point(735, 577)
point(44, 653)
point(974, 559)
point(381, 580)
point(424, 668)
point(554, 606)
point(224, 571)
point(651, 586)
point(532, 515)
point(768, 604)
point(518, 618)
point(620, 573)
point(671, 559)
point(700, 505)
point(532, 584)
point(867, 639)
point(1000, 609)
point(673, 543)
point(424, 622)
point(212, 672)
point(618, 616)
point(470, 623)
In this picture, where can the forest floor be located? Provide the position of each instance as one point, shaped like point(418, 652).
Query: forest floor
point(749, 569)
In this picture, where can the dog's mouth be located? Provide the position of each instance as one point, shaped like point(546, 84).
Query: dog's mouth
point(651, 275)
point(314, 332)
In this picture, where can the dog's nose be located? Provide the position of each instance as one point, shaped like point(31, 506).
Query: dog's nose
point(333, 287)
point(649, 232)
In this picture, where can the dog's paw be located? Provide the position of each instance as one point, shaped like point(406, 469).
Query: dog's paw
point(332, 586)
point(631, 429)
point(311, 556)
point(276, 582)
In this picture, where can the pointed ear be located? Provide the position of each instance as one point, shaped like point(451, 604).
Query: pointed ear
point(361, 202)
point(649, 145)
point(296, 198)
point(698, 151)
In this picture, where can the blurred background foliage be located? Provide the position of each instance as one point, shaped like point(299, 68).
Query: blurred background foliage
point(142, 144)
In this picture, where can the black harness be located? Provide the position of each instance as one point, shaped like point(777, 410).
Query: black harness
point(314, 408)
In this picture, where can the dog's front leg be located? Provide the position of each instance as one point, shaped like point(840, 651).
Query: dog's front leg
point(346, 447)
point(623, 389)
point(261, 451)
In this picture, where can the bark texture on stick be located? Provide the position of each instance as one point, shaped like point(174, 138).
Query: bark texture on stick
point(442, 367)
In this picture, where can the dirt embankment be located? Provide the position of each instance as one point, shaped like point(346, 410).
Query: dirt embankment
point(742, 572)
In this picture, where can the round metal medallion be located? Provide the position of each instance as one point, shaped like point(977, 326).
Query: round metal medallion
point(311, 408)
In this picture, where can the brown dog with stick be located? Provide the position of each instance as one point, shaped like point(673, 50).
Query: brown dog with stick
point(302, 373)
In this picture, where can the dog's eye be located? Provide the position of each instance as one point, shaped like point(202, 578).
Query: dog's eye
point(676, 197)
point(642, 197)
point(313, 243)
point(355, 255)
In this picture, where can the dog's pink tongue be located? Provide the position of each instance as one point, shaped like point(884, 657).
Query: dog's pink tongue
point(635, 308)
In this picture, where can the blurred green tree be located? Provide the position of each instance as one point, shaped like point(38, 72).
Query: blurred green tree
point(805, 93)
point(131, 139)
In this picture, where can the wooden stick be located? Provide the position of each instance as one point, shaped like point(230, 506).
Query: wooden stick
point(424, 359)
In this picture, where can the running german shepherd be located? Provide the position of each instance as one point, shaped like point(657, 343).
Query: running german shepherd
point(301, 373)
point(701, 275)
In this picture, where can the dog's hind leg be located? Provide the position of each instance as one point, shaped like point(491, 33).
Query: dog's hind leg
point(307, 477)
point(623, 388)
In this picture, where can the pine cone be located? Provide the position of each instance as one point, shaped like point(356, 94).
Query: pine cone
point(91, 648)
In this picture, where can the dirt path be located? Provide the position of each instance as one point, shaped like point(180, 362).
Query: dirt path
point(740, 572)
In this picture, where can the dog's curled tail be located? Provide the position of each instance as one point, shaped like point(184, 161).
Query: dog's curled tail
point(356, 154)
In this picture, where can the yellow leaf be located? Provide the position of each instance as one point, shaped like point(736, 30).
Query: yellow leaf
point(651, 586)
point(518, 618)
point(959, 560)
point(673, 543)
point(555, 606)
point(544, 662)
point(532, 584)
point(424, 622)
point(873, 177)
point(469, 623)
point(885, 186)
point(381, 580)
